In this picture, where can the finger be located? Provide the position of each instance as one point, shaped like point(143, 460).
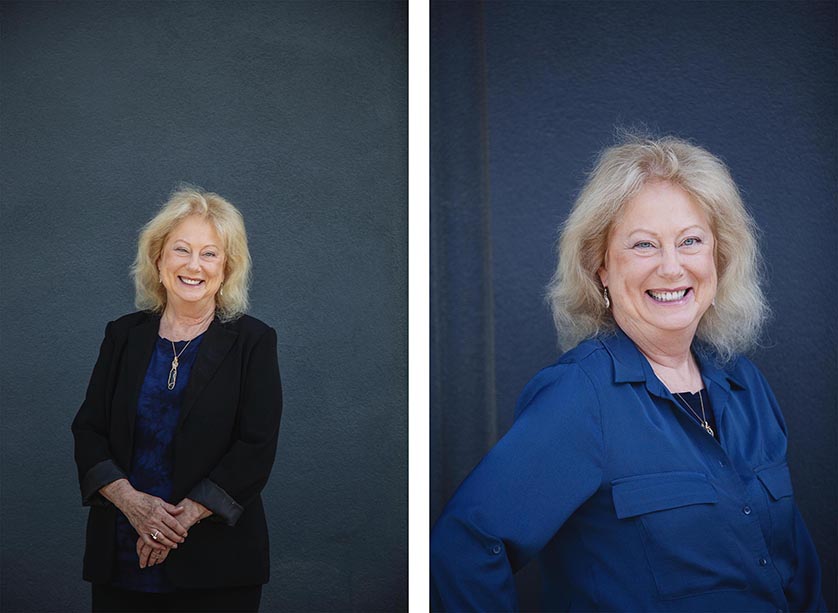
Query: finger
point(154, 557)
point(156, 544)
point(165, 537)
point(176, 527)
point(172, 509)
point(170, 526)
point(145, 553)
point(144, 558)
point(162, 556)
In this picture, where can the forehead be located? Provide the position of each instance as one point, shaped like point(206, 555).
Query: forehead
point(195, 229)
point(661, 205)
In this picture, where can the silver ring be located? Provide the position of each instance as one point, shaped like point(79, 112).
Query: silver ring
point(154, 534)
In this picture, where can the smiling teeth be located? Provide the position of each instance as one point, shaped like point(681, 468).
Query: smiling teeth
point(190, 281)
point(667, 296)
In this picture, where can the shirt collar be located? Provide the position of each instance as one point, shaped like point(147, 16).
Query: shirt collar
point(631, 366)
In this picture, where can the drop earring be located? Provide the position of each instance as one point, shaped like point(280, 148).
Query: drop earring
point(605, 295)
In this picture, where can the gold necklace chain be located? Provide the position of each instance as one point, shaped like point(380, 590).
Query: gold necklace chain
point(173, 371)
point(703, 417)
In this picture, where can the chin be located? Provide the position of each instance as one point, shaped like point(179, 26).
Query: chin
point(675, 326)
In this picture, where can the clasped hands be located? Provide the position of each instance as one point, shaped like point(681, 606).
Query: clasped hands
point(152, 515)
point(174, 522)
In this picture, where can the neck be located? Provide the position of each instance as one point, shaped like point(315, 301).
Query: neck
point(177, 323)
point(670, 357)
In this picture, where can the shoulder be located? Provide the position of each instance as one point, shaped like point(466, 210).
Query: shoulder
point(739, 370)
point(123, 325)
point(249, 329)
point(573, 377)
point(590, 353)
point(742, 368)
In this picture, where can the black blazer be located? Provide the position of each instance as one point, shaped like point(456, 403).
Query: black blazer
point(224, 447)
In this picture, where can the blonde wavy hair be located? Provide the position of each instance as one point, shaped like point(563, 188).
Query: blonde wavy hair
point(575, 291)
point(150, 294)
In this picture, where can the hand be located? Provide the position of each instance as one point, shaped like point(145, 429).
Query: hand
point(148, 515)
point(193, 512)
point(149, 556)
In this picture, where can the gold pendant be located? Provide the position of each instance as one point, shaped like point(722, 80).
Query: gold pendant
point(173, 375)
point(706, 427)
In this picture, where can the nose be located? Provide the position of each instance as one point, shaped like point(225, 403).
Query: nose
point(195, 262)
point(670, 263)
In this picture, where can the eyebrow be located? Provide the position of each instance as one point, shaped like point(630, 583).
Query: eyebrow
point(183, 240)
point(653, 233)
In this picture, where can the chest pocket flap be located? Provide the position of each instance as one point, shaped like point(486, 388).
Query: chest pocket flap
point(776, 480)
point(643, 494)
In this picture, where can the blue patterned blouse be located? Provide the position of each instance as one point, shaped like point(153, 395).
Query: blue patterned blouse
point(158, 409)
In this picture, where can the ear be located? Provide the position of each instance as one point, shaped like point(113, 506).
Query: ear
point(603, 275)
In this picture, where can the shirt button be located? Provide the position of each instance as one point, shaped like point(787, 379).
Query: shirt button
point(746, 510)
point(763, 562)
point(496, 549)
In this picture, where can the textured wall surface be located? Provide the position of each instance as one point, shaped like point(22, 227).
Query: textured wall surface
point(297, 113)
point(516, 126)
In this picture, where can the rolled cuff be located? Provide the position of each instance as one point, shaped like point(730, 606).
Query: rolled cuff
point(217, 500)
point(96, 478)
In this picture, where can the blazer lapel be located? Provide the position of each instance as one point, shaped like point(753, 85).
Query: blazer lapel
point(211, 353)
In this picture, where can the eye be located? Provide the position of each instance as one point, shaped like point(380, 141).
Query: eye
point(181, 249)
point(209, 254)
point(691, 241)
point(643, 245)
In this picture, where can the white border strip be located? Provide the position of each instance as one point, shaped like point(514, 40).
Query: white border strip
point(419, 302)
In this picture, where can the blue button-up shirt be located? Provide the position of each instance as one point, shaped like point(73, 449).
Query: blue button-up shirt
point(628, 502)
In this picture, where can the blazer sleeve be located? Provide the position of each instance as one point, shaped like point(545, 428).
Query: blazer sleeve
point(96, 467)
point(519, 495)
point(243, 471)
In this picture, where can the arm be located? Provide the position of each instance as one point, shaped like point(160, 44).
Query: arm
point(243, 471)
point(519, 495)
point(101, 479)
point(96, 467)
point(804, 590)
point(149, 515)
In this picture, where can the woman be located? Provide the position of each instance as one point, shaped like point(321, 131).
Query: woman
point(180, 424)
point(647, 467)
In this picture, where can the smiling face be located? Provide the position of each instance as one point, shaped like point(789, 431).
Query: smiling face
point(659, 266)
point(191, 264)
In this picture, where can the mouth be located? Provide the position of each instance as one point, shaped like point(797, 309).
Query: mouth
point(190, 281)
point(669, 296)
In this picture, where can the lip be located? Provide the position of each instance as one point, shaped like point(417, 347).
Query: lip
point(182, 277)
point(668, 289)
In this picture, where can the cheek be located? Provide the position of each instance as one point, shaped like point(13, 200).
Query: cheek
point(217, 271)
point(628, 269)
point(709, 269)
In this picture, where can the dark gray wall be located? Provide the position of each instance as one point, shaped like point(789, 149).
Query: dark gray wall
point(524, 95)
point(297, 113)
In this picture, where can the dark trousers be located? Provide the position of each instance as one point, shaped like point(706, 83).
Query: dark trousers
point(107, 598)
